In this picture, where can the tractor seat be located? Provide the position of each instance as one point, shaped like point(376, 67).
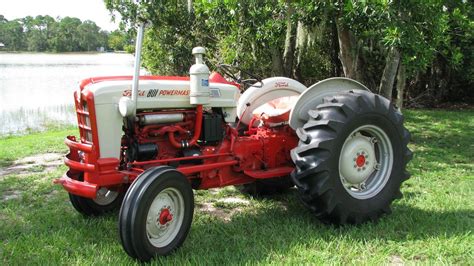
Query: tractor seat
point(275, 112)
point(218, 78)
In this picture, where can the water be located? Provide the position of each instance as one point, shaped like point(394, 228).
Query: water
point(36, 90)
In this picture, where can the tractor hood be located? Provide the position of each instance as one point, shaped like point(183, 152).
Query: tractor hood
point(160, 92)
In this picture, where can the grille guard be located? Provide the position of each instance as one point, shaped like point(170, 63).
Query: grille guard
point(96, 172)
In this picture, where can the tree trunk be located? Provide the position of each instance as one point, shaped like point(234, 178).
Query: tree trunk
point(254, 49)
point(241, 32)
point(277, 62)
point(290, 41)
point(389, 73)
point(336, 71)
point(401, 83)
point(190, 7)
point(349, 53)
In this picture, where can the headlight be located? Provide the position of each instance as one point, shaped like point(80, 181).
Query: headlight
point(126, 106)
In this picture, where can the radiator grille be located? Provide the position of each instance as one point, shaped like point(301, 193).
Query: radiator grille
point(84, 122)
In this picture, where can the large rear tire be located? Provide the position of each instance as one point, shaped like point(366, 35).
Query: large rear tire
point(351, 158)
point(156, 213)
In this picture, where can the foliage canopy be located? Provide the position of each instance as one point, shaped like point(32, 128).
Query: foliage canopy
point(68, 34)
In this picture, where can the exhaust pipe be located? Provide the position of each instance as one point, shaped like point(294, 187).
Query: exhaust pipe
point(161, 119)
point(127, 106)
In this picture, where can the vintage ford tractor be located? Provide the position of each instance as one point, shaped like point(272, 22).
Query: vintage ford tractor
point(146, 142)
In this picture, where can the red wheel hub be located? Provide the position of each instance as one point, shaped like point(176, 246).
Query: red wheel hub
point(165, 216)
point(360, 161)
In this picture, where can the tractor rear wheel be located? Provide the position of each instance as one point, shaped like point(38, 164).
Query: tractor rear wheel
point(351, 158)
point(107, 200)
point(156, 213)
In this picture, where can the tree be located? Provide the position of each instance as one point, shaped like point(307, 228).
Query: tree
point(38, 31)
point(411, 45)
point(11, 34)
point(88, 35)
point(44, 33)
point(409, 32)
point(117, 40)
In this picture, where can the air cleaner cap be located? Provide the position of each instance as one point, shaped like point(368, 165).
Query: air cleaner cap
point(199, 50)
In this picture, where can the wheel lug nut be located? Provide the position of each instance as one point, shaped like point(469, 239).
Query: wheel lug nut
point(363, 168)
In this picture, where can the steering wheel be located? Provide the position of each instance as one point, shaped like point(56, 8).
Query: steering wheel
point(235, 73)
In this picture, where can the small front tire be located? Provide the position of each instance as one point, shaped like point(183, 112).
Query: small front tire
point(156, 213)
point(107, 200)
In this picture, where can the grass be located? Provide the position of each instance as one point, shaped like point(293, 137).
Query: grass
point(432, 224)
point(15, 147)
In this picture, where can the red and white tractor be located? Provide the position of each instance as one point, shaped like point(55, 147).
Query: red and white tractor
point(146, 142)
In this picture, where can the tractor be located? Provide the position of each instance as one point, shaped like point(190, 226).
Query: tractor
point(146, 142)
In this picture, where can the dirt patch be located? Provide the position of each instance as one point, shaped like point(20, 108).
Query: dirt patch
point(395, 260)
point(10, 195)
point(213, 191)
point(224, 208)
point(282, 204)
point(51, 194)
point(220, 213)
point(45, 162)
point(419, 257)
point(234, 200)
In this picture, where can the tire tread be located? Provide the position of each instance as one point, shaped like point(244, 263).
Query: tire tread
point(311, 175)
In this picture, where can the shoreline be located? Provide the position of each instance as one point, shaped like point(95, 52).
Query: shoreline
point(53, 53)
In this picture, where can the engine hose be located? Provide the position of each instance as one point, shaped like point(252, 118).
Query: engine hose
point(197, 132)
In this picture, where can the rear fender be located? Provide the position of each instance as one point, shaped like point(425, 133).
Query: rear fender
point(315, 94)
point(271, 89)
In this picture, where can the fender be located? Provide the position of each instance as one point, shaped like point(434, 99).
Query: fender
point(315, 94)
point(271, 89)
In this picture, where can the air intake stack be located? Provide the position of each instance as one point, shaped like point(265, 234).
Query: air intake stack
point(199, 83)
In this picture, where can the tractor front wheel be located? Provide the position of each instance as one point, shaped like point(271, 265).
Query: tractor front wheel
point(106, 201)
point(156, 213)
point(351, 158)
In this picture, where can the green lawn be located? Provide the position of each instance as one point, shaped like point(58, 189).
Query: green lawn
point(432, 224)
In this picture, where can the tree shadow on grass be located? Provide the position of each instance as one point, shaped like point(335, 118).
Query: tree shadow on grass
point(252, 236)
point(272, 228)
point(261, 234)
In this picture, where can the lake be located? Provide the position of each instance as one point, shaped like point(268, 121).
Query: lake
point(36, 89)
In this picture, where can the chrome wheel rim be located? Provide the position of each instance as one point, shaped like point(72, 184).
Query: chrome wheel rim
point(105, 196)
point(365, 162)
point(165, 217)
